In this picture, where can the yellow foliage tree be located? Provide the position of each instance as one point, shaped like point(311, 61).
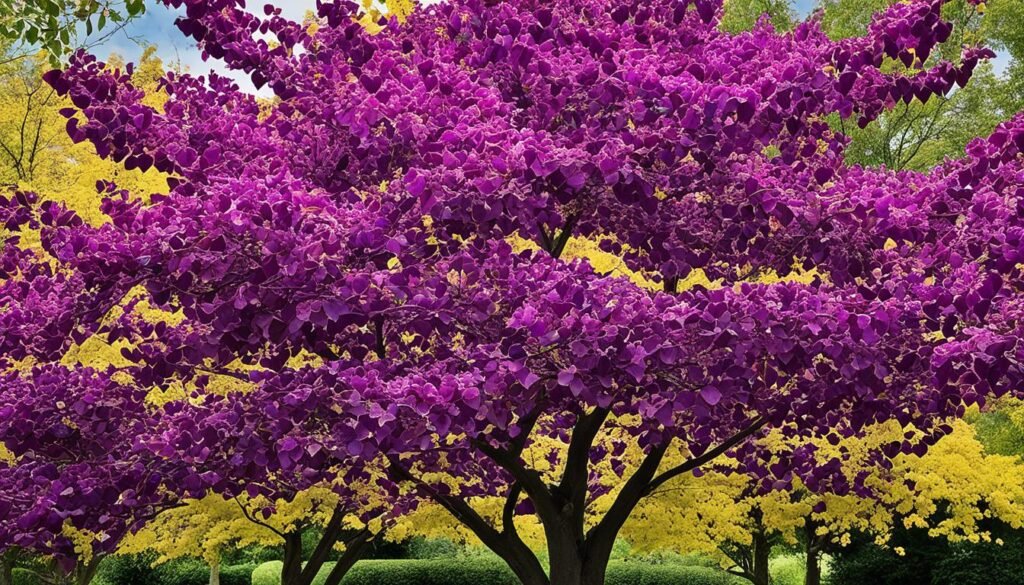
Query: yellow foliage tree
point(209, 527)
point(950, 491)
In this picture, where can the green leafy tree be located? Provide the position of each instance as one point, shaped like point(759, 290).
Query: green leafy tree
point(742, 15)
point(57, 25)
point(919, 135)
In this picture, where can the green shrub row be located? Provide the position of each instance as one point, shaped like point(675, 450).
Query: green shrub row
point(137, 570)
point(454, 572)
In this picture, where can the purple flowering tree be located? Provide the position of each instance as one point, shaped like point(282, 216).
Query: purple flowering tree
point(351, 245)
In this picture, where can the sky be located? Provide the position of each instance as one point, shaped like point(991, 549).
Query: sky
point(156, 27)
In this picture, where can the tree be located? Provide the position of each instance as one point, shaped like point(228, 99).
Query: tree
point(741, 15)
point(919, 135)
point(953, 491)
point(54, 25)
point(35, 152)
point(208, 527)
point(270, 454)
point(365, 216)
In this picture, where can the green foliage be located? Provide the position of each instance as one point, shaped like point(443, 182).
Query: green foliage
point(180, 572)
point(237, 575)
point(268, 573)
point(128, 569)
point(24, 577)
point(999, 433)
point(477, 572)
point(932, 561)
point(741, 15)
point(788, 570)
point(432, 548)
point(632, 573)
point(984, 563)
point(53, 25)
point(139, 570)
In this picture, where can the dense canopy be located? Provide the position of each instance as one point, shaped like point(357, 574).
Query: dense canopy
point(373, 260)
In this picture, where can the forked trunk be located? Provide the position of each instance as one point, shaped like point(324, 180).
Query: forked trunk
point(299, 571)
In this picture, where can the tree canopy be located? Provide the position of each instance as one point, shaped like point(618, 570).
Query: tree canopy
point(374, 265)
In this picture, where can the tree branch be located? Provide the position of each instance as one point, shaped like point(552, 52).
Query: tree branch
point(353, 551)
point(323, 548)
point(707, 456)
point(462, 511)
point(601, 538)
point(254, 520)
point(508, 513)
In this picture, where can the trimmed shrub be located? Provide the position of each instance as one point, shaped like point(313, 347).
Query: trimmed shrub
point(237, 575)
point(268, 573)
point(129, 569)
point(634, 573)
point(138, 570)
point(181, 572)
point(432, 548)
point(454, 572)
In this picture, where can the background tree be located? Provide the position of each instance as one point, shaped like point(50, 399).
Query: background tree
point(36, 153)
point(56, 26)
point(954, 491)
point(919, 135)
point(211, 527)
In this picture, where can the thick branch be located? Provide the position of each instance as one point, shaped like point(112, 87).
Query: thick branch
point(707, 456)
point(572, 489)
point(506, 545)
point(529, 479)
point(457, 507)
point(601, 538)
point(323, 548)
point(508, 513)
point(558, 246)
point(354, 550)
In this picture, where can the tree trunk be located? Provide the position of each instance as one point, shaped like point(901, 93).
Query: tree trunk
point(297, 572)
point(578, 555)
point(85, 573)
point(762, 550)
point(215, 573)
point(291, 571)
point(813, 565)
point(7, 568)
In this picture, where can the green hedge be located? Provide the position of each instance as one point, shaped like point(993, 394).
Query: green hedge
point(237, 575)
point(634, 573)
point(449, 572)
point(139, 570)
